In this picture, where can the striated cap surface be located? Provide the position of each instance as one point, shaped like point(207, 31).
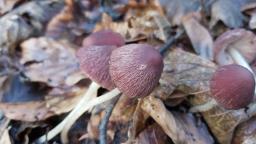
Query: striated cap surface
point(136, 69)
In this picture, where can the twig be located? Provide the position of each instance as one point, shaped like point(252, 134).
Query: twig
point(105, 120)
point(169, 42)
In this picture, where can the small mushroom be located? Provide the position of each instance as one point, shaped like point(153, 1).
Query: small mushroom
point(136, 69)
point(235, 46)
point(94, 62)
point(135, 72)
point(104, 37)
point(94, 59)
point(232, 87)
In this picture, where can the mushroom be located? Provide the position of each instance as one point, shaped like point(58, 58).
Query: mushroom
point(235, 46)
point(135, 69)
point(232, 87)
point(94, 62)
point(104, 37)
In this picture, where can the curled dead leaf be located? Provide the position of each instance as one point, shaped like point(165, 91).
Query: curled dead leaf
point(26, 21)
point(245, 133)
point(228, 11)
point(152, 135)
point(199, 36)
point(176, 9)
point(181, 128)
point(49, 61)
point(54, 104)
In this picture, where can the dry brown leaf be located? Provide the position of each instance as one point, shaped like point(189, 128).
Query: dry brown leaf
point(176, 9)
point(191, 74)
point(199, 36)
point(152, 135)
point(135, 27)
point(228, 11)
point(49, 61)
point(54, 104)
point(26, 21)
point(29, 111)
point(250, 9)
point(7, 5)
point(246, 132)
point(179, 129)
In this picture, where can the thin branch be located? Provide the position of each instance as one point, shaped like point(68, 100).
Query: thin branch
point(105, 120)
point(170, 42)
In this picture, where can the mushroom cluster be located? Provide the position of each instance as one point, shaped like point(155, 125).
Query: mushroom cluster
point(134, 70)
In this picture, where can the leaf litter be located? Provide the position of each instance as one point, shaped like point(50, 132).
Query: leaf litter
point(41, 77)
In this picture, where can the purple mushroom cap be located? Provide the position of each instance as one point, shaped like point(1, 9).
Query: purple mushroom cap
point(94, 62)
point(104, 37)
point(232, 86)
point(136, 69)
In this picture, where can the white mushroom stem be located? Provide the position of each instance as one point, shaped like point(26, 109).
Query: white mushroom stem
point(108, 96)
point(239, 59)
point(84, 105)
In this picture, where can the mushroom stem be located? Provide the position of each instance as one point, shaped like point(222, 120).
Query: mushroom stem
point(88, 105)
point(203, 107)
point(85, 104)
point(239, 59)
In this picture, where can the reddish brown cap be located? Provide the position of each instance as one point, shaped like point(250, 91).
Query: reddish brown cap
point(104, 37)
point(136, 69)
point(240, 39)
point(232, 86)
point(94, 62)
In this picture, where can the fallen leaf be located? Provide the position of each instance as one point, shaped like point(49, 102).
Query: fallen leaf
point(55, 103)
point(228, 11)
point(199, 36)
point(176, 9)
point(26, 21)
point(7, 5)
point(49, 61)
point(180, 128)
point(152, 135)
point(245, 133)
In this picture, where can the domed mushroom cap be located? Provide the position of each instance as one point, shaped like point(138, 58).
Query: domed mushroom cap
point(104, 37)
point(136, 69)
point(232, 86)
point(94, 62)
point(242, 40)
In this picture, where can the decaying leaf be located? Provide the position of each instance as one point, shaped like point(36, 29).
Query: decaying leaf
point(49, 61)
point(26, 21)
point(250, 9)
point(152, 135)
point(7, 5)
point(181, 129)
point(176, 9)
point(54, 104)
point(199, 36)
point(228, 11)
point(246, 132)
point(191, 74)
